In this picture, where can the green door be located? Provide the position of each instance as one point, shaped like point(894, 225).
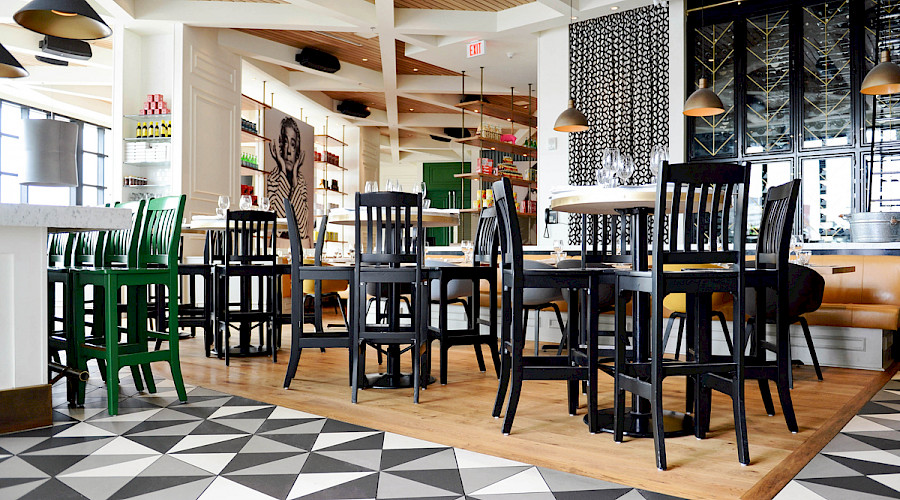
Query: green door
point(442, 188)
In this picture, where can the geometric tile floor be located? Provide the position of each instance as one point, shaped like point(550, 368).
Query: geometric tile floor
point(219, 446)
point(862, 461)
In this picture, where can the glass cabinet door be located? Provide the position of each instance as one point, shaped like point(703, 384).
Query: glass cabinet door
point(714, 136)
point(768, 102)
point(826, 116)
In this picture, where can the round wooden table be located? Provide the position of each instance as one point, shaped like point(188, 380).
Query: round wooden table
point(433, 217)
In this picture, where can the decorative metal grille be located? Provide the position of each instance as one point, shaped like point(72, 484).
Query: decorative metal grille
point(768, 83)
point(714, 136)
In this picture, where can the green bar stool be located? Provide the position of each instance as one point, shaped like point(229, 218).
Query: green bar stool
point(145, 255)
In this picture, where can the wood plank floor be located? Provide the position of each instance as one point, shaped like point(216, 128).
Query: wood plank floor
point(458, 414)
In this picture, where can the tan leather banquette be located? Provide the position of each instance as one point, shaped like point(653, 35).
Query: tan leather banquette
point(866, 298)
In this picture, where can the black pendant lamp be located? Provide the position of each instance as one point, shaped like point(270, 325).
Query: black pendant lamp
point(571, 119)
point(9, 66)
point(73, 19)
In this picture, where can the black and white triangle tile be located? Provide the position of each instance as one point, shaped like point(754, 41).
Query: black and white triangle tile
point(219, 446)
point(862, 462)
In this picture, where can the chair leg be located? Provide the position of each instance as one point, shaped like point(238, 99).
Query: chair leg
point(112, 349)
point(812, 348)
point(563, 340)
point(296, 330)
point(505, 361)
point(656, 379)
point(174, 356)
point(668, 333)
point(737, 394)
point(728, 342)
point(680, 336)
point(618, 391)
point(517, 337)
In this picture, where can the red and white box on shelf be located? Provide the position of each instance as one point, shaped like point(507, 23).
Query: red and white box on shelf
point(486, 166)
point(155, 105)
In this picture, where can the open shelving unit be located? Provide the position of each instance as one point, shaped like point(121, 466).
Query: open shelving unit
point(327, 172)
point(513, 116)
point(146, 157)
point(253, 143)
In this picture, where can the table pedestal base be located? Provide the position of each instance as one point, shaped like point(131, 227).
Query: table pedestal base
point(641, 425)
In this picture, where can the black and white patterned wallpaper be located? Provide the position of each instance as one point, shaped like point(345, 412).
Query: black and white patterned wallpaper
point(620, 80)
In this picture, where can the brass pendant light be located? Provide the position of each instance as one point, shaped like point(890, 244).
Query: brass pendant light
point(73, 19)
point(883, 79)
point(571, 119)
point(9, 66)
point(703, 102)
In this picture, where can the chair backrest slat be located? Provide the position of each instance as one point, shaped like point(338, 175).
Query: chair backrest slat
point(702, 226)
point(60, 249)
point(250, 237)
point(161, 232)
point(121, 246)
point(773, 245)
point(508, 222)
point(394, 238)
point(486, 241)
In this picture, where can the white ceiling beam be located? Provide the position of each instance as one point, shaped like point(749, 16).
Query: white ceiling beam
point(530, 18)
point(269, 71)
point(86, 92)
point(90, 110)
point(59, 75)
point(281, 54)
point(560, 6)
point(384, 19)
point(444, 22)
point(356, 12)
point(122, 10)
point(304, 81)
point(239, 15)
point(423, 142)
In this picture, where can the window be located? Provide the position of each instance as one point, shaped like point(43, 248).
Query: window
point(92, 159)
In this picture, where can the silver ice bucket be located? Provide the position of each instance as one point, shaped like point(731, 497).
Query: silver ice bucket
point(874, 227)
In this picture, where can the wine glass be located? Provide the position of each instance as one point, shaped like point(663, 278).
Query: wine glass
point(246, 202)
point(397, 186)
point(422, 188)
point(390, 185)
point(264, 203)
point(371, 186)
point(558, 249)
point(796, 245)
point(224, 202)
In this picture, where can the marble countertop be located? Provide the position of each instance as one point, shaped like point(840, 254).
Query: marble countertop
point(64, 218)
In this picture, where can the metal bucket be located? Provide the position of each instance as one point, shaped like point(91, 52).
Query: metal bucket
point(874, 227)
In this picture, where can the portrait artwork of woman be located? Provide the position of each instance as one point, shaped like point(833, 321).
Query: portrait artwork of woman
point(286, 179)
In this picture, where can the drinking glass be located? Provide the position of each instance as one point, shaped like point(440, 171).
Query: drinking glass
point(426, 203)
point(558, 249)
point(371, 186)
point(224, 202)
point(264, 203)
point(246, 202)
point(626, 168)
point(796, 246)
point(423, 189)
point(467, 250)
point(803, 257)
point(390, 185)
point(397, 186)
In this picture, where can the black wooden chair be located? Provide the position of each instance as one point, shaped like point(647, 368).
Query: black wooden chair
point(515, 367)
point(249, 253)
point(317, 273)
point(191, 313)
point(702, 197)
point(462, 284)
point(390, 253)
point(773, 273)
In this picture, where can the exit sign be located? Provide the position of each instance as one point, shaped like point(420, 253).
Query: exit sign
point(476, 48)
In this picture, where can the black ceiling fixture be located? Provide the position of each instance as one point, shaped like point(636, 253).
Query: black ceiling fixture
point(354, 108)
point(9, 66)
point(73, 19)
point(318, 60)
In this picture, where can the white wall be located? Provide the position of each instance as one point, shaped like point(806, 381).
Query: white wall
point(553, 96)
point(677, 82)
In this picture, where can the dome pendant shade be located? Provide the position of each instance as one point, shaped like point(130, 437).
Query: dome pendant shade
point(703, 102)
point(9, 66)
point(73, 19)
point(51, 148)
point(883, 79)
point(571, 120)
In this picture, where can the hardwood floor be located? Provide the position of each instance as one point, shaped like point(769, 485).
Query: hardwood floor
point(458, 414)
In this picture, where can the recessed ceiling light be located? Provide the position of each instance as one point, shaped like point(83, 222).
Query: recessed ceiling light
point(365, 59)
point(476, 110)
point(411, 109)
point(509, 119)
point(614, 7)
point(415, 69)
point(574, 18)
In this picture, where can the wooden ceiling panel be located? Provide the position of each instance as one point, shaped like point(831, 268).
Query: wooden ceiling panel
point(520, 101)
point(479, 5)
point(409, 66)
point(406, 105)
point(370, 99)
point(347, 47)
